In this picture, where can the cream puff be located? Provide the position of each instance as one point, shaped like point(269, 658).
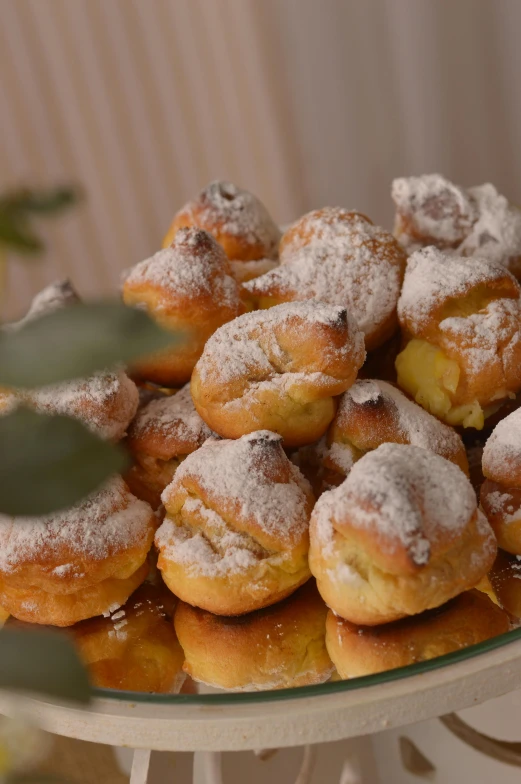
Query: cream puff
point(239, 222)
point(505, 577)
point(188, 288)
point(75, 564)
point(461, 327)
point(340, 258)
point(430, 210)
point(135, 648)
point(501, 491)
point(373, 412)
point(106, 402)
point(279, 647)
point(235, 536)
point(402, 534)
point(278, 370)
point(164, 432)
point(468, 619)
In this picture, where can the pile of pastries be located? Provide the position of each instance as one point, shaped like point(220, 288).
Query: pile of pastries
point(326, 469)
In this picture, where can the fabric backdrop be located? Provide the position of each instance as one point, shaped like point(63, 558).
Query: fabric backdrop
point(305, 102)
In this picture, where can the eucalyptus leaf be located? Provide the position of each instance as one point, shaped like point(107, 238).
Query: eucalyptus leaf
point(42, 661)
point(16, 233)
point(75, 342)
point(49, 463)
point(43, 201)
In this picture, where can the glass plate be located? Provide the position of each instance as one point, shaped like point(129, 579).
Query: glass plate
point(323, 689)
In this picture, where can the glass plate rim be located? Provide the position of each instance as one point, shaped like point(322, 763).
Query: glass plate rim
point(315, 690)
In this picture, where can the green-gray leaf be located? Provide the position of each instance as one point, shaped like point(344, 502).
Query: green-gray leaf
point(16, 233)
point(76, 341)
point(41, 201)
point(48, 463)
point(42, 661)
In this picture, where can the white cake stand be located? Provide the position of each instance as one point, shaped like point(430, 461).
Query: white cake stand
point(228, 722)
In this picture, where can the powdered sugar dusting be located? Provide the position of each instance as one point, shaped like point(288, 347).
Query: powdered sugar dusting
point(248, 346)
point(360, 267)
point(236, 212)
point(103, 525)
point(408, 495)
point(503, 446)
point(255, 477)
point(192, 267)
point(413, 424)
point(432, 277)
point(434, 208)
point(58, 295)
point(216, 552)
point(174, 418)
point(106, 402)
point(477, 220)
point(497, 232)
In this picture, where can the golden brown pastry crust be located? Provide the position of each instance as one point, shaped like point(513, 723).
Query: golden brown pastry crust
point(468, 619)
point(66, 567)
point(470, 310)
point(340, 258)
point(505, 577)
point(36, 605)
point(502, 506)
point(501, 491)
point(502, 452)
point(238, 221)
point(235, 538)
point(318, 226)
point(136, 648)
point(374, 412)
point(187, 288)
point(280, 647)
point(400, 535)
point(278, 370)
point(162, 434)
point(105, 402)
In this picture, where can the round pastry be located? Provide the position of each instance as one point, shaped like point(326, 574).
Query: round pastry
point(278, 370)
point(462, 333)
point(501, 491)
point(276, 648)
point(75, 564)
point(371, 413)
point(4, 615)
point(430, 210)
point(163, 433)
point(319, 227)
point(402, 534)
point(135, 648)
point(236, 218)
point(340, 258)
point(187, 288)
point(505, 577)
point(235, 537)
point(106, 402)
point(468, 619)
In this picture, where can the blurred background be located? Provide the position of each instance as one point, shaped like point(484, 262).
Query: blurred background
point(304, 102)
